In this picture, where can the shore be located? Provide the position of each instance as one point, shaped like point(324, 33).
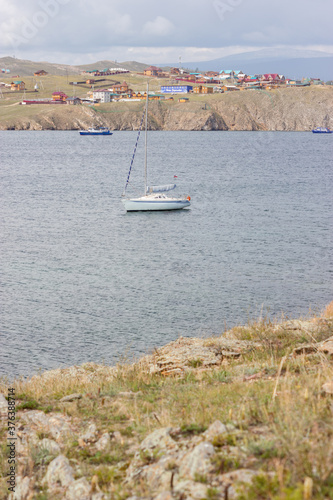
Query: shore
point(284, 109)
point(247, 415)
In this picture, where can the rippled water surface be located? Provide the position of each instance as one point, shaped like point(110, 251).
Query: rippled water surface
point(84, 281)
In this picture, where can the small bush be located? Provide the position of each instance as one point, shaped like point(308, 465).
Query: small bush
point(28, 405)
point(191, 429)
point(195, 363)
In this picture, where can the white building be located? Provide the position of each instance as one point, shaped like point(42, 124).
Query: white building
point(102, 95)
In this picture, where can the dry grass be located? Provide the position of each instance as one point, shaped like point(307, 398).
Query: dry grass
point(282, 417)
point(328, 311)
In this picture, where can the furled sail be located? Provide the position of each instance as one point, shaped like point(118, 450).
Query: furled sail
point(160, 189)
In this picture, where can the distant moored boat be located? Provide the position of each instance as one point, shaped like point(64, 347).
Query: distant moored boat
point(96, 131)
point(322, 130)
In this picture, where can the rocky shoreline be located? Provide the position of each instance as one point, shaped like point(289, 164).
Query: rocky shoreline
point(298, 109)
point(196, 419)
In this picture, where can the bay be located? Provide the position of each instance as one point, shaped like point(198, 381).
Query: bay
point(84, 281)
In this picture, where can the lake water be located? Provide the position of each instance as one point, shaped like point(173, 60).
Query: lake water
point(84, 281)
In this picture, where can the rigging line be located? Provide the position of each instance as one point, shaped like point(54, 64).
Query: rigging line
point(136, 145)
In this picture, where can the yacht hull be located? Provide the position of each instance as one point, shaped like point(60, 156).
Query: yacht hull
point(140, 205)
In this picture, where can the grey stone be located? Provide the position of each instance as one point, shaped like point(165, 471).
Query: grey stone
point(130, 394)
point(157, 477)
point(104, 442)
point(90, 434)
point(57, 425)
point(51, 446)
point(78, 490)
point(164, 495)
point(158, 439)
point(193, 490)
point(116, 435)
point(3, 406)
point(328, 387)
point(36, 418)
point(197, 461)
point(99, 496)
point(230, 480)
point(59, 472)
point(22, 489)
point(70, 397)
point(327, 346)
point(214, 430)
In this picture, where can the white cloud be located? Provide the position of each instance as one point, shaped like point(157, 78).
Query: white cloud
point(154, 32)
point(159, 27)
point(121, 24)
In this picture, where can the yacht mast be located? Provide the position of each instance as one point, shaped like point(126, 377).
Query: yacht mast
point(145, 191)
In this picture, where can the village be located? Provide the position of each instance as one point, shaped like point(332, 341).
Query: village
point(97, 88)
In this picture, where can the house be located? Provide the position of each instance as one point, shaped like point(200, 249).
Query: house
point(152, 71)
point(175, 71)
point(225, 74)
point(59, 96)
point(176, 89)
point(202, 89)
point(73, 100)
point(143, 95)
point(315, 81)
point(207, 90)
point(272, 77)
point(18, 85)
point(40, 73)
point(102, 95)
point(121, 88)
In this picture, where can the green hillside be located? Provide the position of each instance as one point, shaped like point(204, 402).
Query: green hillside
point(28, 68)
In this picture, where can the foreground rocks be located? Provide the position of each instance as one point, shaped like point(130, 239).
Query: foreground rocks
point(69, 450)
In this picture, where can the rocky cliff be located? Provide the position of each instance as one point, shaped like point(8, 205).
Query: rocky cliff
point(289, 109)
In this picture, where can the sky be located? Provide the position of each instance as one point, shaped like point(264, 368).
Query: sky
point(157, 32)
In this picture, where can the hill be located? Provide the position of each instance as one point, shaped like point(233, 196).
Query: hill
point(285, 109)
point(291, 63)
point(28, 68)
point(130, 65)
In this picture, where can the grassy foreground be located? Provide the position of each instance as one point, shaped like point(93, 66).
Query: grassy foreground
point(273, 395)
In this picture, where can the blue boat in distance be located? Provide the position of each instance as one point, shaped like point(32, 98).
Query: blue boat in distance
point(322, 130)
point(96, 131)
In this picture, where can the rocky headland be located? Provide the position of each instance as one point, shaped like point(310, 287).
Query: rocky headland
point(288, 109)
point(247, 415)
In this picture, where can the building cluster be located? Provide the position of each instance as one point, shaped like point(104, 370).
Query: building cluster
point(57, 98)
point(181, 81)
point(224, 77)
point(105, 72)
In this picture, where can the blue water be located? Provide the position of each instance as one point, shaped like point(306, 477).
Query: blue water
point(84, 281)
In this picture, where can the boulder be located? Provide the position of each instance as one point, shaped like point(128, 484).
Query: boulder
point(70, 398)
point(59, 472)
point(104, 442)
point(214, 430)
point(197, 461)
point(22, 489)
point(90, 434)
point(51, 446)
point(79, 490)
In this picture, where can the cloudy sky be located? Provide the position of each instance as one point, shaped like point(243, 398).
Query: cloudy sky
point(155, 31)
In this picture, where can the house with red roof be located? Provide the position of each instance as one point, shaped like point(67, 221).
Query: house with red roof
point(59, 96)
